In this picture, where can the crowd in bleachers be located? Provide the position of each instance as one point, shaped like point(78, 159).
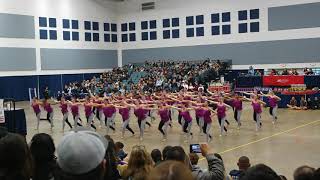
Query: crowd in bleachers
point(150, 76)
point(85, 155)
point(273, 72)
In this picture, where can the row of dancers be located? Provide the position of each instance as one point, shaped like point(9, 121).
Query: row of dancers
point(145, 107)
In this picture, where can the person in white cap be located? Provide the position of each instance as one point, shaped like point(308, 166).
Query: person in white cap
point(81, 156)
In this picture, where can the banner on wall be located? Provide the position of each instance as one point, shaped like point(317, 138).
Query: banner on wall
point(282, 80)
point(2, 118)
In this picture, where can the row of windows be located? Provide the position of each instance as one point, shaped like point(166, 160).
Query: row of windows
point(152, 35)
point(48, 30)
point(74, 36)
point(220, 25)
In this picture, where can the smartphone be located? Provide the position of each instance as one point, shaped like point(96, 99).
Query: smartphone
point(195, 148)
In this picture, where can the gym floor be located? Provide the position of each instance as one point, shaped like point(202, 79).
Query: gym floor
point(294, 141)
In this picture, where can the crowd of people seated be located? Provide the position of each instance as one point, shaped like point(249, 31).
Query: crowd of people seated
point(169, 75)
point(85, 155)
point(310, 103)
point(273, 72)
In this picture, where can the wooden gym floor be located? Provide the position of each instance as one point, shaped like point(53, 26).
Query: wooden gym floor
point(294, 141)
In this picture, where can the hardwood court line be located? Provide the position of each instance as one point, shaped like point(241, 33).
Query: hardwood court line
point(268, 137)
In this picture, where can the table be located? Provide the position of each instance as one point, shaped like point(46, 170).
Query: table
point(277, 81)
point(15, 121)
point(249, 81)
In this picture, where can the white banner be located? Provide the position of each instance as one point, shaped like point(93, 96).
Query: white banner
point(2, 119)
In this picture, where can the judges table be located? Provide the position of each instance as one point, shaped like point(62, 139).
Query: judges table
point(278, 81)
point(15, 121)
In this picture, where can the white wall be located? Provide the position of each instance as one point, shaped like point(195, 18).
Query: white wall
point(80, 10)
point(129, 11)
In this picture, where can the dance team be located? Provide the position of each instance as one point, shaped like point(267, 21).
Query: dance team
point(205, 107)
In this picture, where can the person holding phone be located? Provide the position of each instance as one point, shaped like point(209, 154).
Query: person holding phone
point(216, 168)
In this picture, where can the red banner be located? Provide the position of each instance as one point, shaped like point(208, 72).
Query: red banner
point(282, 80)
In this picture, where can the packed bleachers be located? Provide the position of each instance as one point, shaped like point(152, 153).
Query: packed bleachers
point(150, 76)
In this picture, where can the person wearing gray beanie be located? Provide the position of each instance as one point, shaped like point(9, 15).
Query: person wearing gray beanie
point(81, 156)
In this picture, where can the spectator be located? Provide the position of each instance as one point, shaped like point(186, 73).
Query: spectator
point(112, 172)
point(46, 93)
point(303, 173)
point(243, 164)
point(295, 72)
point(308, 71)
point(176, 153)
point(156, 156)
point(293, 103)
point(285, 72)
point(164, 152)
point(81, 156)
point(15, 158)
point(196, 170)
point(42, 149)
point(139, 165)
point(303, 103)
point(170, 170)
point(313, 103)
point(273, 72)
point(251, 71)
point(316, 103)
point(258, 73)
point(215, 165)
point(261, 172)
point(119, 151)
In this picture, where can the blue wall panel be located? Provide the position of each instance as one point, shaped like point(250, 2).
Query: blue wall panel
point(70, 78)
point(16, 26)
point(264, 52)
point(71, 59)
point(52, 81)
point(17, 87)
point(90, 76)
point(294, 17)
point(17, 59)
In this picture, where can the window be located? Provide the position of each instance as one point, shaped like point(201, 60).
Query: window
point(70, 30)
point(195, 26)
point(220, 23)
point(171, 28)
point(128, 32)
point(110, 32)
point(91, 29)
point(249, 21)
point(48, 28)
point(148, 29)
